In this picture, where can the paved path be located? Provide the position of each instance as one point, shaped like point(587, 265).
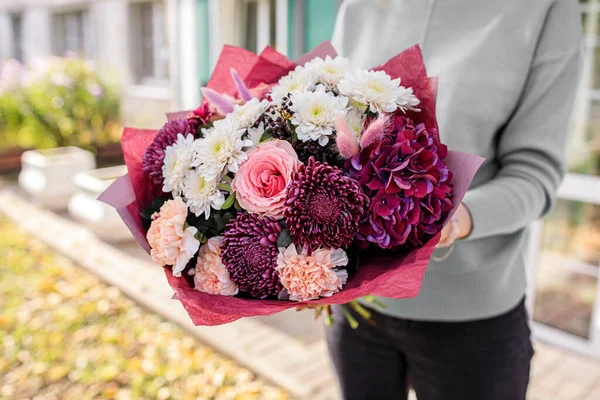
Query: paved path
point(287, 348)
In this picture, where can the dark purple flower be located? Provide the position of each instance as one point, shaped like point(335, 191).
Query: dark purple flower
point(405, 176)
point(250, 254)
point(324, 207)
point(153, 158)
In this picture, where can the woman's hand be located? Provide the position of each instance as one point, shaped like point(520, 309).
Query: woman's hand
point(465, 224)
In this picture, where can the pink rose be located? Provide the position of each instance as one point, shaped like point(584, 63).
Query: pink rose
point(261, 183)
point(308, 277)
point(211, 275)
point(170, 243)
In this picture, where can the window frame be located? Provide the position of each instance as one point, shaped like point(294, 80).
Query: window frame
point(86, 34)
point(17, 36)
point(158, 76)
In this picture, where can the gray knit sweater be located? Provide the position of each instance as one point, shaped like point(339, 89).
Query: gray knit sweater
point(508, 73)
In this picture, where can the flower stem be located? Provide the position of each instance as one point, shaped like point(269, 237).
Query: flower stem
point(328, 316)
point(318, 312)
point(372, 300)
point(351, 320)
point(363, 312)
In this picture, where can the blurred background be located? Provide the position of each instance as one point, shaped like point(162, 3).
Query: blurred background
point(74, 72)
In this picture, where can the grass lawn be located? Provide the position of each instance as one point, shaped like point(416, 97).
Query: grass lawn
point(64, 334)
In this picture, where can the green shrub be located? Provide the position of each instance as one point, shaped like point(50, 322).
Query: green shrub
point(60, 103)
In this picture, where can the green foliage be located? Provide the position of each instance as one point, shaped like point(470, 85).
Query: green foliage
point(284, 239)
point(62, 103)
point(229, 201)
point(214, 225)
point(207, 228)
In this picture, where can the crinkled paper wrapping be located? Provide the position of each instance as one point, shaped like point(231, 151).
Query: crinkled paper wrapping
point(395, 276)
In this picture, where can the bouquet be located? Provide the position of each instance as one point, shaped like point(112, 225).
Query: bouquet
point(307, 182)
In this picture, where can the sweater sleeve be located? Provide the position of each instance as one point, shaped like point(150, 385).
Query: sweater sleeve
point(531, 147)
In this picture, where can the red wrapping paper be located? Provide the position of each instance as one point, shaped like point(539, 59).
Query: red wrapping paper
point(393, 275)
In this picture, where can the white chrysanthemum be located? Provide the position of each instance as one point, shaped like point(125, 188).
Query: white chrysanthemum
point(355, 119)
point(314, 114)
point(178, 160)
point(254, 134)
point(407, 100)
point(329, 71)
point(201, 194)
point(299, 80)
point(377, 90)
point(246, 115)
point(220, 151)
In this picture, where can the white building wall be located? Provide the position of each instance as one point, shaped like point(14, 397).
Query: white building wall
point(110, 18)
point(6, 43)
point(184, 60)
point(37, 36)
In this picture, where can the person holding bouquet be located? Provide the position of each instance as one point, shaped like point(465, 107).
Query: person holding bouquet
point(508, 74)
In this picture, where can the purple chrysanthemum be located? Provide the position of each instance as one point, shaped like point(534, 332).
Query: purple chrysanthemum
point(153, 158)
point(405, 176)
point(324, 207)
point(250, 254)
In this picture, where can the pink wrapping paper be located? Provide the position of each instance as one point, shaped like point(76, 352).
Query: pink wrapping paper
point(323, 50)
point(177, 115)
point(393, 275)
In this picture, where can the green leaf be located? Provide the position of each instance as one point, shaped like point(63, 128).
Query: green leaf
point(226, 187)
point(229, 202)
point(157, 203)
point(220, 225)
point(266, 136)
point(227, 178)
point(284, 239)
point(227, 217)
point(201, 237)
point(294, 135)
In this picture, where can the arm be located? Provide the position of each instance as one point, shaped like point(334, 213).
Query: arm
point(531, 148)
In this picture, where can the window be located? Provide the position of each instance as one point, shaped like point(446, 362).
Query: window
point(565, 273)
point(72, 34)
point(584, 147)
point(149, 44)
point(17, 35)
point(258, 24)
point(569, 268)
point(251, 25)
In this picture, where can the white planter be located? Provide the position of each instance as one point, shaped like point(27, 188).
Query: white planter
point(47, 175)
point(99, 217)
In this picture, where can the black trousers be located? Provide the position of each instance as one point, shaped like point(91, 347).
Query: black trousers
point(481, 360)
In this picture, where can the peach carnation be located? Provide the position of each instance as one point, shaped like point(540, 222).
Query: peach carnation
point(261, 182)
point(170, 241)
point(211, 276)
point(308, 277)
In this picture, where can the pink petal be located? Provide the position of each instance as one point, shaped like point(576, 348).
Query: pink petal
point(241, 86)
point(376, 130)
point(346, 143)
point(220, 102)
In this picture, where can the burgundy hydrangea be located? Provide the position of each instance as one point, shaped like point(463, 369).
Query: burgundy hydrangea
point(408, 182)
point(153, 158)
point(250, 254)
point(324, 207)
